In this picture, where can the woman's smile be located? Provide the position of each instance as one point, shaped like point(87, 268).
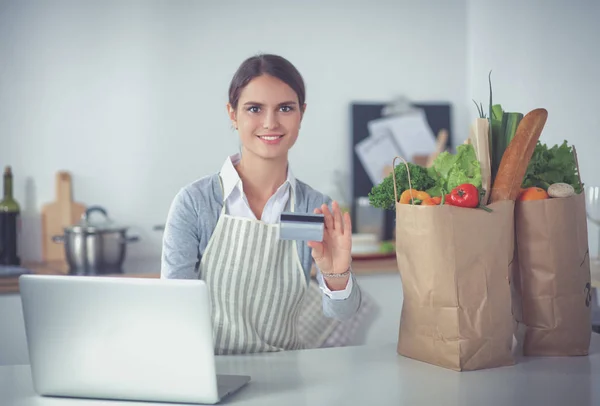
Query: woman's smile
point(271, 139)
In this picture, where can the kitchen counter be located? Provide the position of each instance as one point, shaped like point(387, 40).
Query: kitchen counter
point(150, 268)
point(145, 268)
point(373, 375)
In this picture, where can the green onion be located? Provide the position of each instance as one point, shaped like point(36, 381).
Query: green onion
point(479, 109)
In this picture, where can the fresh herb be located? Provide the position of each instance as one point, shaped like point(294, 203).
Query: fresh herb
point(382, 195)
point(552, 165)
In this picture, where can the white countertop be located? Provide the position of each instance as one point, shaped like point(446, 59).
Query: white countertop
point(374, 375)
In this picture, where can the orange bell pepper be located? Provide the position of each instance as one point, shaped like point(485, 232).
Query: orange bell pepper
point(407, 195)
point(432, 201)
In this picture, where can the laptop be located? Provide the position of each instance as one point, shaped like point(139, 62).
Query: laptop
point(122, 338)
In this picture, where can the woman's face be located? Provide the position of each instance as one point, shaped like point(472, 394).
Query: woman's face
point(267, 117)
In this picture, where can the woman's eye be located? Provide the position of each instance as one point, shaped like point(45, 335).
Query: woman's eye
point(286, 109)
point(253, 109)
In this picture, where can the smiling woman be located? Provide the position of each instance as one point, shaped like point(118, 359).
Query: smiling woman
point(223, 228)
point(267, 112)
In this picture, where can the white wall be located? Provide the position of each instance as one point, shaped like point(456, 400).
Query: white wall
point(130, 95)
point(543, 53)
point(92, 84)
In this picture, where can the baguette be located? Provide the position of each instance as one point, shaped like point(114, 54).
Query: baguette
point(517, 155)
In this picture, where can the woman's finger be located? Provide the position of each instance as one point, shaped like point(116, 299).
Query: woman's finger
point(347, 225)
point(338, 224)
point(328, 217)
point(317, 249)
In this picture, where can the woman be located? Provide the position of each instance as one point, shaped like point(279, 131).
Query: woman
point(223, 228)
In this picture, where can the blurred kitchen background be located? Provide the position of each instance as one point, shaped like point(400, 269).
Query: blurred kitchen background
point(129, 96)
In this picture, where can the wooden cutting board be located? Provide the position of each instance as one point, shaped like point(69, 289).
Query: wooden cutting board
point(63, 212)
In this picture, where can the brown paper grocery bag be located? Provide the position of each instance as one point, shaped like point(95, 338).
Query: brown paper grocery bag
point(454, 263)
point(552, 279)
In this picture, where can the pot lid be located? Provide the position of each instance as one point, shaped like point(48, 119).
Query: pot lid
point(97, 223)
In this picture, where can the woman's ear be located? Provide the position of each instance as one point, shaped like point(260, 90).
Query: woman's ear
point(302, 110)
point(231, 114)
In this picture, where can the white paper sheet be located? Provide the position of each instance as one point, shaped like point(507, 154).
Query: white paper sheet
point(376, 153)
point(411, 132)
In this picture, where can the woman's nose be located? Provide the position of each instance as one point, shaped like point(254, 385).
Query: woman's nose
point(271, 121)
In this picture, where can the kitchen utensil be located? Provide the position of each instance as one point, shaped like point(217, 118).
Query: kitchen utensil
point(57, 215)
point(95, 246)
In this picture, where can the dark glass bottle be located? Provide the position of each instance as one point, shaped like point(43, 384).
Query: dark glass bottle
point(9, 220)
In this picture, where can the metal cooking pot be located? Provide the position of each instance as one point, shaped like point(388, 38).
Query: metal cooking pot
point(95, 247)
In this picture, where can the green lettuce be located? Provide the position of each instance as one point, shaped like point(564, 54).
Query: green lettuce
point(451, 170)
point(552, 165)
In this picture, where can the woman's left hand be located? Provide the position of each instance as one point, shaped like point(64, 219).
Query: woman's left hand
point(333, 254)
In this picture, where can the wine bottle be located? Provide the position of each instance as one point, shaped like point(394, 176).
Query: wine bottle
point(9, 220)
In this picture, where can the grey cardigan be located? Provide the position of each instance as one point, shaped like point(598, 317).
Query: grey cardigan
point(193, 217)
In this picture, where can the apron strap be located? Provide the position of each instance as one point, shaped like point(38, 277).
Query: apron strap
point(223, 209)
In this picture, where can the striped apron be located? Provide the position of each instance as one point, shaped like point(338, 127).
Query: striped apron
point(257, 285)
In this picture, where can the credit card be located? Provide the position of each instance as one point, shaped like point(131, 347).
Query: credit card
point(301, 226)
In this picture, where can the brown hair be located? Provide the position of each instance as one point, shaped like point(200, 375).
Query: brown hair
point(268, 64)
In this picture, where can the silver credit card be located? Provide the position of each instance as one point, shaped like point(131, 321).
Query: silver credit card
point(301, 226)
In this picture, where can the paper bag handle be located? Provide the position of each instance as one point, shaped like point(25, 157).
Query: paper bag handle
point(412, 198)
point(577, 166)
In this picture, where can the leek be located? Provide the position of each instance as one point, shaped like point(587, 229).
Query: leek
point(497, 123)
point(502, 130)
point(479, 135)
point(511, 126)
